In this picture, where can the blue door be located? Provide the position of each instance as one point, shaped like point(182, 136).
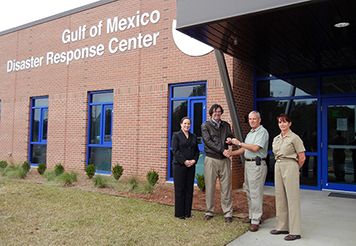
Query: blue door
point(187, 99)
point(198, 116)
point(339, 144)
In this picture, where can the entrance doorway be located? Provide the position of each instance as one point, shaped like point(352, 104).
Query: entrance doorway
point(339, 144)
point(187, 100)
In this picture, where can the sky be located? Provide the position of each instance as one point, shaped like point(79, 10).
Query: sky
point(15, 13)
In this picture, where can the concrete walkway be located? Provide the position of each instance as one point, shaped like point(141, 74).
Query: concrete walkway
point(326, 221)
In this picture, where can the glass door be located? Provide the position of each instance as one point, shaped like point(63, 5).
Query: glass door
point(339, 144)
point(198, 109)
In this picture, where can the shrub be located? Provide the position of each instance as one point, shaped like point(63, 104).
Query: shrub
point(200, 182)
point(67, 178)
point(117, 171)
point(26, 166)
point(152, 177)
point(101, 181)
point(3, 164)
point(13, 171)
point(90, 170)
point(133, 183)
point(58, 169)
point(41, 168)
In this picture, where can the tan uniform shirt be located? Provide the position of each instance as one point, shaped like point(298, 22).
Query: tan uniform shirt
point(287, 147)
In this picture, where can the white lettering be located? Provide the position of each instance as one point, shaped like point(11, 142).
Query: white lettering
point(29, 63)
point(73, 55)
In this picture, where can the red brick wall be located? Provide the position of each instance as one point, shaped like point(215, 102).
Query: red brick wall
point(139, 78)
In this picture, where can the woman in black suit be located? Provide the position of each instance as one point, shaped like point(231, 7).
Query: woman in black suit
point(185, 156)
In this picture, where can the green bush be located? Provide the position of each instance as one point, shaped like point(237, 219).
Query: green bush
point(90, 170)
point(152, 177)
point(68, 179)
point(41, 168)
point(200, 182)
point(101, 181)
point(13, 171)
point(26, 166)
point(58, 169)
point(133, 183)
point(3, 164)
point(117, 171)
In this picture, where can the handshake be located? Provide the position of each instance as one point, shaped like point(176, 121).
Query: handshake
point(228, 152)
point(234, 141)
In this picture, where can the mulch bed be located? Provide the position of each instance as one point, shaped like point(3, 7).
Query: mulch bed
point(164, 194)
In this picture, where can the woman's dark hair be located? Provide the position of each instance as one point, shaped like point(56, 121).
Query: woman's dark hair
point(185, 118)
point(214, 107)
point(283, 118)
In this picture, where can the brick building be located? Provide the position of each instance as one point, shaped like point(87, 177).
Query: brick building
point(106, 84)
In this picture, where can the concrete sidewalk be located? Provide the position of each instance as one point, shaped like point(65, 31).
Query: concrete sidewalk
point(326, 221)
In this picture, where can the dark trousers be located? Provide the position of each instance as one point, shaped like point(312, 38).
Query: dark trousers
point(183, 190)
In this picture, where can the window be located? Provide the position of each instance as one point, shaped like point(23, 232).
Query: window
point(100, 130)
point(298, 98)
point(38, 130)
point(187, 99)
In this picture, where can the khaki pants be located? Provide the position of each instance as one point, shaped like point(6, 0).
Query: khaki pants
point(286, 176)
point(214, 168)
point(255, 177)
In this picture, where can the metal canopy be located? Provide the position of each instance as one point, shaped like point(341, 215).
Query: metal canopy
point(278, 37)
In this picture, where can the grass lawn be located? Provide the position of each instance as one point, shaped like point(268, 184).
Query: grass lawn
point(46, 214)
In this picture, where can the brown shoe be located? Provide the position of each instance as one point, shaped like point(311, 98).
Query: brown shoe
point(277, 232)
point(208, 217)
point(290, 237)
point(254, 227)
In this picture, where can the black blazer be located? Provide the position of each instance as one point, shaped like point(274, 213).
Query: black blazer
point(184, 149)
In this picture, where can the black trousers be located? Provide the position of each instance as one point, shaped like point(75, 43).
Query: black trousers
point(183, 189)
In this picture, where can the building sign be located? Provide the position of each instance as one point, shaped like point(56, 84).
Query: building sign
point(115, 45)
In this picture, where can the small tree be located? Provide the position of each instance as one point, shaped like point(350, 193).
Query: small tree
point(152, 177)
point(41, 168)
point(3, 164)
point(26, 166)
point(117, 171)
point(90, 170)
point(58, 169)
point(200, 182)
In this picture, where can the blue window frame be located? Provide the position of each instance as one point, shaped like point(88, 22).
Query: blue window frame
point(187, 99)
point(100, 117)
point(308, 98)
point(38, 130)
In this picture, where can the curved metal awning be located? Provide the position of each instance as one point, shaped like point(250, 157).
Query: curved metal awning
point(277, 36)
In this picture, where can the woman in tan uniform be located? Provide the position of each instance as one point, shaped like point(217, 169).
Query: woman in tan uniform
point(288, 150)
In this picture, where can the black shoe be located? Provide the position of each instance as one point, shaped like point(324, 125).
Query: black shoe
point(228, 219)
point(290, 237)
point(208, 217)
point(277, 232)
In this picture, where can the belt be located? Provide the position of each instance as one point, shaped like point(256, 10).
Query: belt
point(253, 159)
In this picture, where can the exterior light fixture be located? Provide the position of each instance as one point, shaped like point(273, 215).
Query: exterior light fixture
point(341, 24)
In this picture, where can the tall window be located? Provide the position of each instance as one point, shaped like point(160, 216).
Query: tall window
point(298, 98)
point(100, 130)
point(38, 130)
point(188, 99)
